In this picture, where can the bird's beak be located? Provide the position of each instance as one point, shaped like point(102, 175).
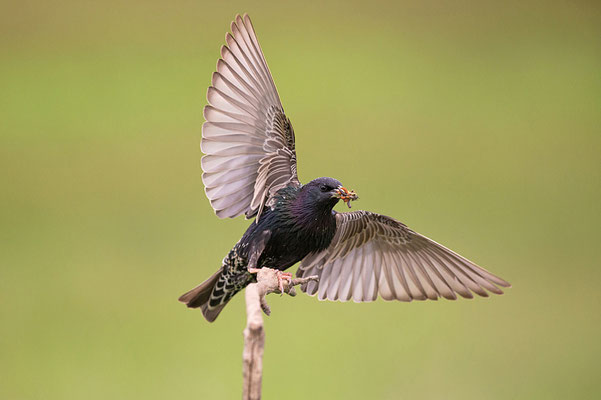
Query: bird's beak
point(345, 195)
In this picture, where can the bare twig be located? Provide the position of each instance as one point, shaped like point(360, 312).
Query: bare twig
point(254, 335)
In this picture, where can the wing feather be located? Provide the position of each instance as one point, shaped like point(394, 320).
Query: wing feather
point(386, 288)
point(427, 283)
point(332, 292)
point(346, 280)
point(428, 263)
point(357, 275)
point(227, 176)
point(367, 273)
point(450, 277)
point(400, 283)
point(247, 139)
point(372, 254)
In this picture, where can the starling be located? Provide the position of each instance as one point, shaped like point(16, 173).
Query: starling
point(249, 168)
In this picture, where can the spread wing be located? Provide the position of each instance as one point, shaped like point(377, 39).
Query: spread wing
point(374, 254)
point(247, 140)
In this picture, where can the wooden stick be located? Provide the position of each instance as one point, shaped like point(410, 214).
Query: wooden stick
point(254, 334)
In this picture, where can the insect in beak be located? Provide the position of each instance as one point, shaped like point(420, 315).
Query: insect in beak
point(345, 195)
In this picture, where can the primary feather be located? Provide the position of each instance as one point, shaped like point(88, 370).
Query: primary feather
point(375, 254)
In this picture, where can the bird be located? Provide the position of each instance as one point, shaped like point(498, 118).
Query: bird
point(250, 168)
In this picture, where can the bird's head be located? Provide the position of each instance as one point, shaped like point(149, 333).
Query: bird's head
point(328, 191)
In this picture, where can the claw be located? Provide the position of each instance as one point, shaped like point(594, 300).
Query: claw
point(282, 276)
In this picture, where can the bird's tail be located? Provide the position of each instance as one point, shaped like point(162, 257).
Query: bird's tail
point(200, 297)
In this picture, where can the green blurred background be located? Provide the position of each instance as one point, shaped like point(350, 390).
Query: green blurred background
point(476, 123)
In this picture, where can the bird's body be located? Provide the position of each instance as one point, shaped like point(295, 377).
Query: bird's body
point(294, 229)
point(288, 230)
point(250, 168)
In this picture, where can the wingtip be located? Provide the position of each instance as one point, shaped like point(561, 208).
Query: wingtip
point(229, 40)
point(504, 283)
point(452, 296)
point(248, 23)
point(234, 24)
point(467, 294)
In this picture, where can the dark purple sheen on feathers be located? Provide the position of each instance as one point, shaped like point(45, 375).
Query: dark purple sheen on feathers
point(298, 221)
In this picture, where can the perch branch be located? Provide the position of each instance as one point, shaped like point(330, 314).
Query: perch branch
point(254, 335)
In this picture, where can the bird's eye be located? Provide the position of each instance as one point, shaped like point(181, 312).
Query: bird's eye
point(323, 188)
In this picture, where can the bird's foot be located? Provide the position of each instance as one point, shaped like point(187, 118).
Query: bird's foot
point(281, 276)
point(270, 280)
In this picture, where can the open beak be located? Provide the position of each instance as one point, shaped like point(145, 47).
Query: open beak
point(345, 195)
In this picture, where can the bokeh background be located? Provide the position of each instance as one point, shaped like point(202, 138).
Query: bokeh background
point(476, 123)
